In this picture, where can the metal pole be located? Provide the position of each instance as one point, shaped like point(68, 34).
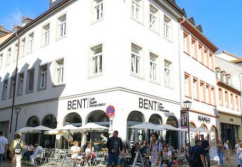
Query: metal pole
point(188, 127)
point(15, 80)
point(16, 124)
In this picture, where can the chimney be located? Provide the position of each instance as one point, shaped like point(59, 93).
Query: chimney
point(16, 28)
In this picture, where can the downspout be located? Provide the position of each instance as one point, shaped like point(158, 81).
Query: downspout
point(15, 82)
point(180, 74)
point(240, 100)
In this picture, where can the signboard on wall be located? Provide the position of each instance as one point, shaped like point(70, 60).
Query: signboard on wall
point(83, 103)
point(204, 119)
point(184, 121)
point(150, 105)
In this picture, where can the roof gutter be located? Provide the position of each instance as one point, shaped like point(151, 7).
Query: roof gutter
point(176, 12)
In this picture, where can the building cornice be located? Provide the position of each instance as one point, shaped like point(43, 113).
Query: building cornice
point(228, 87)
point(229, 114)
point(202, 112)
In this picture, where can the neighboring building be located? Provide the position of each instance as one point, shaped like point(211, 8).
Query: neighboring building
point(229, 96)
point(78, 58)
point(198, 82)
point(4, 34)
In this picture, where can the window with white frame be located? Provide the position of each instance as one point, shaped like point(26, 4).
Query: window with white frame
point(15, 52)
point(98, 10)
point(205, 57)
point(31, 42)
point(207, 94)
point(187, 85)
point(20, 84)
point(43, 77)
point(136, 59)
point(12, 87)
point(30, 81)
point(202, 92)
point(226, 99)
point(154, 18)
point(212, 96)
point(60, 71)
point(5, 90)
point(200, 53)
point(195, 88)
point(96, 60)
point(1, 61)
point(167, 27)
point(22, 47)
point(193, 48)
point(153, 66)
point(220, 95)
point(137, 10)
point(61, 26)
point(8, 56)
point(46, 34)
point(185, 42)
point(167, 72)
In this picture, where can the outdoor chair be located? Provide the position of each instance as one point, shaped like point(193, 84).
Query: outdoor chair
point(38, 158)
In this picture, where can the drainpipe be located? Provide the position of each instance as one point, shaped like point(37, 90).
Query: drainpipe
point(180, 72)
point(240, 99)
point(15, 81)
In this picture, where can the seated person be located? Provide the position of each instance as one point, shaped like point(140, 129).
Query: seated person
point(122, 155)
point(27, 151)
point(167, 157)
point(134, 149)
point(143, 148)
point(181, 156)
point(37, 153)
point(88, 151)
point(75, 151)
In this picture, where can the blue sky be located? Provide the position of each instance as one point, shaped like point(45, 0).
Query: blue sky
point(221, 19)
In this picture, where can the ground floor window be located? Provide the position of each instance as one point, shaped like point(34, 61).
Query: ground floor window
point(4, 128)
point(33, 138)
point(172, 136)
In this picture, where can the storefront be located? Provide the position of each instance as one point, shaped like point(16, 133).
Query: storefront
point(130, 109)
point(230, 127)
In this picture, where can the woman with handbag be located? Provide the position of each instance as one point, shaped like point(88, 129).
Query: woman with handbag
point(220, 151)
point(239, 153)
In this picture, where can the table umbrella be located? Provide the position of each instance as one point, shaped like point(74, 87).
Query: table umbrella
point(199, 130)
point(145, 126)
point(167, 127)
point(25, 130)
point(91, 127)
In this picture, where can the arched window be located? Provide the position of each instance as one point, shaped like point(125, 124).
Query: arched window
point(73, 119)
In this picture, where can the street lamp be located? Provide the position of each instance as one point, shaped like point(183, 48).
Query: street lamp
point(187, 105)
point(17, 112)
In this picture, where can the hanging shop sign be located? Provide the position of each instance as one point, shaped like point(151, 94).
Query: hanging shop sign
point(150, 105)
point(184, 119)
point(204, 119)
point(110, 111)
point(83, 103)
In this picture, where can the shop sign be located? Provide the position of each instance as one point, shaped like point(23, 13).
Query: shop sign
point(184, 121)
point(83, 103)
point(110, 111)
point(150, 105)
point(204, 119)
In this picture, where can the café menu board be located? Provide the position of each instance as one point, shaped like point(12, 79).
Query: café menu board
point(184, 119)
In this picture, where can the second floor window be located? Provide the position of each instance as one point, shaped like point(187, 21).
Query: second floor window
point(22, 47)
point(60, 71)
point(187, 84)
point(185, 42)
point(31, 42)
point(200, 53)
point(46, 34)
point(98, 10)
point(8, 56)
point(20, 84)
point(195, 89)
point(11, 94)
point(43, 77)
point(193, 48)
point(1, 61)
point(202, 92)
point(5, 90)
point(154, 20)
point(136, 59)
point(15, 52)
point(220, 95)
point(96, 60)
point(167, 27)
point(153, 66)
point(136, 10)
point(62, 26)
point(205, 57)
point(167, 72)
point(226, 99)
point(30, 81)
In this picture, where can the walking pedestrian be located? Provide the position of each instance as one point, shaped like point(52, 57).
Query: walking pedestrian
point(3, 147)
point(206, 147)
point(239, 153)
point(155, 149)
point(228, 148)
point(237, 156)
point(220, 151)
point(16, 149)
point(114, 145)
point(196, 155)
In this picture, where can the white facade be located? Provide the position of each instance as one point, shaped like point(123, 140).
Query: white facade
point(106, 36)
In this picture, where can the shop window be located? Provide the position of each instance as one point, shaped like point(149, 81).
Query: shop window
point(187, 79)
point(137, 10)
point(154, 19)
point(153, 66)
point(5, 90)
point(220, 96)
point(20, 84)
point(30, 81)
point(232, 101)
point(12, 87)
point(97, 10)
point(202, 92)
point(195, 89)
point(31, 42)
point(136, 59)
point(43, 77)
point(96, 60)
point(167, 73)
point(60, 71)
point(8, 56)
point(226, 99)
point(167, 28)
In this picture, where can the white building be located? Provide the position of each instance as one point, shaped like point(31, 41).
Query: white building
point(79, 57)
point(228, 73)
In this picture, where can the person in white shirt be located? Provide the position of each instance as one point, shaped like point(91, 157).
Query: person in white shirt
point(75, 151)
point(37, 153)
point(3, 147)
point(88, 152)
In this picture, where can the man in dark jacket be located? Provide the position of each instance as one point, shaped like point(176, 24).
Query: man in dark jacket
point(196, 155)
point(114, 146)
